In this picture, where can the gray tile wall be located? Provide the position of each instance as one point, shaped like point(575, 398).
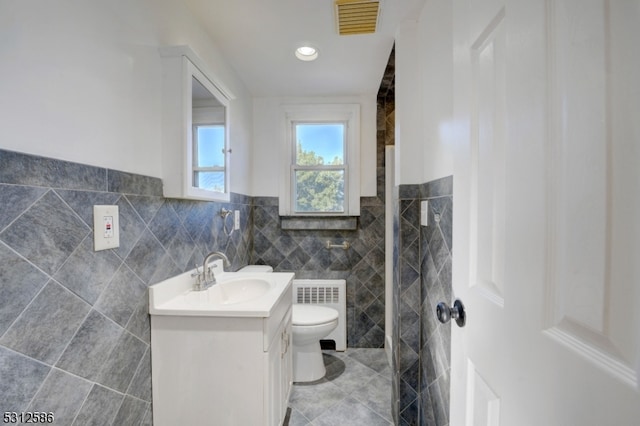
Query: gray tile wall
point(304, 252)
point(407, 299)
point(422, 278)
point(74, 323)
point(395, 327)
point(435, 351)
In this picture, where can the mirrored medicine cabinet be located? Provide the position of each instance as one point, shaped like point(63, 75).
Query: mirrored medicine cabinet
point(195, 122)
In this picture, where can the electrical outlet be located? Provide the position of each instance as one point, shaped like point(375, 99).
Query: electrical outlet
point(106, 227)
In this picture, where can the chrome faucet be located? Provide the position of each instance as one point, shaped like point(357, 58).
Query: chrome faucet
point(206, 279)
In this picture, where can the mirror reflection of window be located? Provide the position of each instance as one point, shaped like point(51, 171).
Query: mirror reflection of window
point(208, 170)
point(209, 142)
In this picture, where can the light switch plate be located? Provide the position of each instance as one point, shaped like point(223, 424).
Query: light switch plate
point(236, 220)
point(424, 213)
point(106, 227)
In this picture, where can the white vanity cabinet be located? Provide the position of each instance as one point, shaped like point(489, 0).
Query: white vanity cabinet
point(222, 370)
point(279, 370)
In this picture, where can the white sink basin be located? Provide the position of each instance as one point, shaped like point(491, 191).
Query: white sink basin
point(235, 290)
point(235, 294)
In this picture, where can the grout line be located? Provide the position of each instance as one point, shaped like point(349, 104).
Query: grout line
point(82, 404)
point(39, 388)
point(51, 367)
point(349, 355)
point(89, 227)
point(139, 367)
point(49, 280)
point(74, 334)
point(131, 318)
point(47, 189)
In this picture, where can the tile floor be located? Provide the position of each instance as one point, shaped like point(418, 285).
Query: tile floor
point(356, 391)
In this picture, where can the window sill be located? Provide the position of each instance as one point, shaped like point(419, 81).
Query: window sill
point(299, 223)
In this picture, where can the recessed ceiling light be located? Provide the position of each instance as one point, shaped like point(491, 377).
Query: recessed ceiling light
point(307, 53)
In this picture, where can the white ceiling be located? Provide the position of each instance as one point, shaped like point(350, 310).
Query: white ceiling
point(258, 38)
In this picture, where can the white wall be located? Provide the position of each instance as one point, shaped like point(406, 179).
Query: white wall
point(269, 134)
point(80, 81)
point(408, 113)
point(435, 33)
point(424, 68)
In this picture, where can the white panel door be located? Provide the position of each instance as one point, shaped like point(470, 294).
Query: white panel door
point(547, 200)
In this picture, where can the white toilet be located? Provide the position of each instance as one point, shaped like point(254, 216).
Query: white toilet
point(256, 268)
point(310, 323)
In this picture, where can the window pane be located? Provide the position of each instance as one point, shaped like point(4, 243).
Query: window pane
point(212, 181)
point(319, 191)
point(319, 143)
point(210, 149)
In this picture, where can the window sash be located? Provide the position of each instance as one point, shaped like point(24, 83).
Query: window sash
point(295, 167)
point(202, 169)
point(345, 139)
point(208, 169)
point(199, 175)
point(295, 196)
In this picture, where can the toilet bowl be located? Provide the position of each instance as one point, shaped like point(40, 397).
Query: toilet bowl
point(310, 323)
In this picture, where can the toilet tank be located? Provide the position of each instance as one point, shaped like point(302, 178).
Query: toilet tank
point(256, 268)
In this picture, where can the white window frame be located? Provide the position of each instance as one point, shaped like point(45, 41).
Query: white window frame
point(322, 113)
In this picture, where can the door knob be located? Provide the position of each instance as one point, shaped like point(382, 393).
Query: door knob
point(445, 313)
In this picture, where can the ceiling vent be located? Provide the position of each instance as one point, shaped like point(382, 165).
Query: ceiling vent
point(357, 16)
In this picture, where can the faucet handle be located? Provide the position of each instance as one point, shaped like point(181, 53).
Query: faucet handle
point(209, 271)
point(198, 285)
point(195, 273)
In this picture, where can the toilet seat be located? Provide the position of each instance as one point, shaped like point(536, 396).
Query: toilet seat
point(310, 315)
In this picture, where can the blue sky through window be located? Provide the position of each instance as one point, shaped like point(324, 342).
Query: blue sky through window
point(325, 139)
point(210, 146)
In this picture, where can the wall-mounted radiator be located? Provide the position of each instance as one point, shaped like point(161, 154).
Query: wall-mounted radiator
point(331, 293)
